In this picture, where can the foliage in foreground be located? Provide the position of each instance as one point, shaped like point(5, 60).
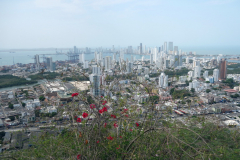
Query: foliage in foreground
point(168, 141)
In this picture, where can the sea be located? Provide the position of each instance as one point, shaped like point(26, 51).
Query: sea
point(27, 56)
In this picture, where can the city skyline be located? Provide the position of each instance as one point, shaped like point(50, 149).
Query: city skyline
point(58, 23)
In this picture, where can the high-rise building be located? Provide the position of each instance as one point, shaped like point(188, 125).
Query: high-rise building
point(113, 50)
point(205, 74)
point(108, 63)
point(222, 69)
point(129, 67)
point(140, 48)
point(190, 75)
point(96, 70)
point(96, 85)
point(163, 80)
point(85, 64)
point(176, 61)
point(180, 60)
point(170, 46)
point(37, 62)
point(75, 50)
point(151, 58)
point(187, 60)
point(165, 47)
point(197, 71)
point(49, 63)
point(115, 56)
point(130, 50)
point(216, 75)
point(175, 49)
point(132, 60)
point(166, 63)
point(155, 53)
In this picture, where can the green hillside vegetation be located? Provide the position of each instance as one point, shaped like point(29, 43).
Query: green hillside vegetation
point(45, 75)
point(9, 81)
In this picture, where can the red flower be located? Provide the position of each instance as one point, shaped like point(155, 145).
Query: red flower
point(113, 116)
point(79, 156)
point(119, 147)
point(74, 94)
point(104, 109)
point(101, 96)
point(79, 120)
point(84, 115)
point(137, 124)
point(104, 102)
point(92, 106)
point(75, 117)
point(97, 141)
point(115, 125)
point(110, 138)
point(120, 136)
point(125, 110)
point(126, 115)
point(105, 124)
point(100, 111)
point(130, 130)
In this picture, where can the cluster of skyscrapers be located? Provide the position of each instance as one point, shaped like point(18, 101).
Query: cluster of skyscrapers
point(47, 61)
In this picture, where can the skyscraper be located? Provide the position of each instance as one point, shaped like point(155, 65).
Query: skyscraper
point(49, 63)
point(37, 62)
point(175, 49)
point(151, 58)
point(170, 46)
point(187, 60)
point(180, 60)
point(85, 64)
point(216, 75)
point(205, 74)
point(140, 48)
point(96, 70)
point(165, 47)
point(75, 49)
point(222, 69)
point(96, 85)
point(163, 80)
point(197, 71)
point(108, 63)
point(129, 67)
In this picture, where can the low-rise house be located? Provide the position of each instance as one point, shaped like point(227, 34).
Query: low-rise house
point(7, 137)
point(27, 117)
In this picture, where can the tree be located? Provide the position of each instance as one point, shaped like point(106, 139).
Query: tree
point(41, 98)
point(23, 104)
point(208, 90)
point(154, 99)
point(37, 113)
point(10, 105)
point(207, 82)
point(12, 118)
point(193, 90)
point(90, 100)
point(172, 90)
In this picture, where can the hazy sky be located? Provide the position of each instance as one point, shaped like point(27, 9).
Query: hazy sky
point(95, 23)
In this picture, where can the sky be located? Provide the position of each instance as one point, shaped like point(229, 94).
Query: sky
point(96, 23)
